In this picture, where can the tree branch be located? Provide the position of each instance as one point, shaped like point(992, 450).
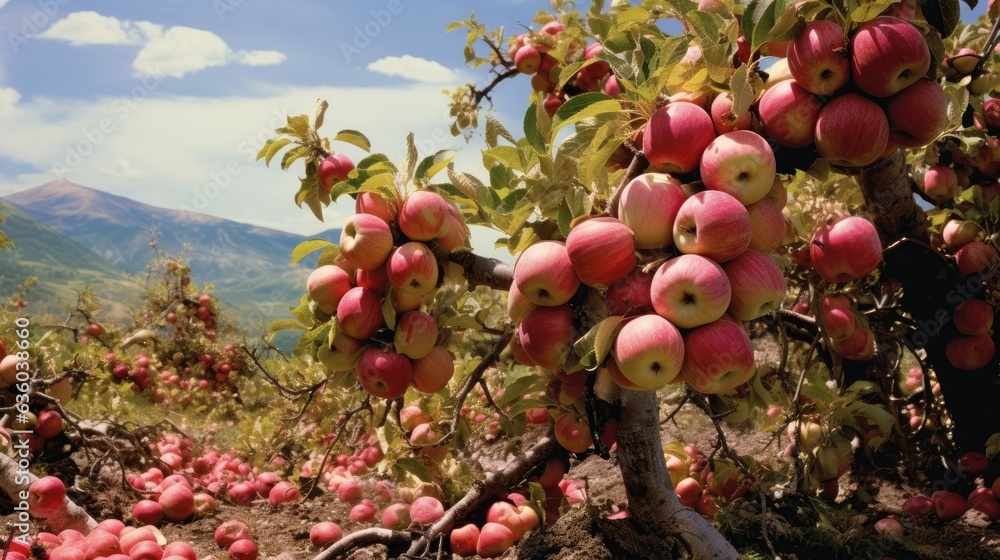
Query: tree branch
point(478, 271)
point(70, 516)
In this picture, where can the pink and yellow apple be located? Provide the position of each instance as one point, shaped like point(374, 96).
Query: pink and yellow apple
point(739, 163)
point(887, 55)
point(384, 373)
point(676, 136)
point(690, 291)
point(366, 241)
point(648, 206)
point(758, 285)
point(546, 333)
point(712, 224)
point(817, 58)
point(837, 137)
point(788, 114)
point(544, 274)
point(601, 250)
point(649, 351)
point(846, 249)
point(717, 357)
point(424, 216)
point(412, 269)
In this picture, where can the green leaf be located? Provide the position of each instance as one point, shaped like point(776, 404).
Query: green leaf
point(760, 18)
point(583, 106)
point(271, 148)
point(432, 165)
point(411, 159)
point(279, 325)
point(742, 91)
point(308, 246)
point(309, 195)
point(631, 16)
point(496, 130)
point(943, 15)
point(993, 446)
point(329, 255)
point(354, 138)
point(531, 133)
point(869, 9)
point(389, 310)
point(415, 468)
point(318, 112)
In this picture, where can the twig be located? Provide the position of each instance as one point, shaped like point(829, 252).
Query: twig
point(474, 378)
point(638, 163)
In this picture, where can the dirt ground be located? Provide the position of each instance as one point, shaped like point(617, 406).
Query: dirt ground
point(795, 526)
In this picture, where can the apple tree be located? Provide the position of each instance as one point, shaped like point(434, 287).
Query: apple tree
point(785, 211)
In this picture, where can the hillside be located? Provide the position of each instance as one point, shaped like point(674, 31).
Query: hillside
point(61, 265)
point(248, 265)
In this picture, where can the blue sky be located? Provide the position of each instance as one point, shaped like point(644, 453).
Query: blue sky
point(165, 101)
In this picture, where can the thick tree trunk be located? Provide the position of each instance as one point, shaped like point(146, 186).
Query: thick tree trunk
point(932, 289)
point(651, 497)
point(15, 483)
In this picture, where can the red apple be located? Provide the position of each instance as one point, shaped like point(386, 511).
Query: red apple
point(47, 494)
point(631, 292)
point(416, 333)
point(974, 257)
point(519, 519)
point(366, 241)
point(231, 531)
point(859, 346)
point(676, 136)
point(180, 549)
point(688, 491)
point(601, 250)
point(376, 205)
point(788, 114)
point(889, 526)
point(324, 534)
point(817, 58)
point(349, 492)
point(887, 55)
point(424, 216)
point(546, 333)
point(918, 506)
point(917, 114)
point(204, 504)
point(712, 224)
point(649, 351)
point(973, 318)
point(690, 291)
point(494, 540)
point(973, 463)
point(384, 373)
point(412, 269)
point(957, 233)
point(426, 510)
point(648, 206)
point(327, 285)
point(432, 372)
point(463, 539)
point(948, 505)
point(767, 225)
point(243, 549)
point(333, 169)
point(758, 285)
point(970, 352)
point(177, 502)
point(517, 305)
point(940, 184)
point(50, 424)
point(838, 319)
point(846, 249)
point(396, 516)
point(359, 313)
point(739, 163)
point(837, 139)
point(544, 274)
point(527, 59)
point(723, 117)
point(573, 433)
point(717, 357)
point(147, 512)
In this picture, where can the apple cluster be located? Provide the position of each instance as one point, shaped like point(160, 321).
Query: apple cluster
point(684, 318)
point(386, 261)
point(695, 482)
point(970, 343)
point(530, 54)
point(110, 540)
point(849, 334)
point(830, 86)
point(949, 505)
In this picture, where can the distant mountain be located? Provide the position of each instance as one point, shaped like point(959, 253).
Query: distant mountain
point(62, 267)
point(248, 265)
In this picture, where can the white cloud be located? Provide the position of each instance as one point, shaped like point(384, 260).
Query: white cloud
point(413, 68)
point(181, 50)
point(3, 3)
point(200, 152)
point(173, 51)
point(259, 58)
point(91, 28)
